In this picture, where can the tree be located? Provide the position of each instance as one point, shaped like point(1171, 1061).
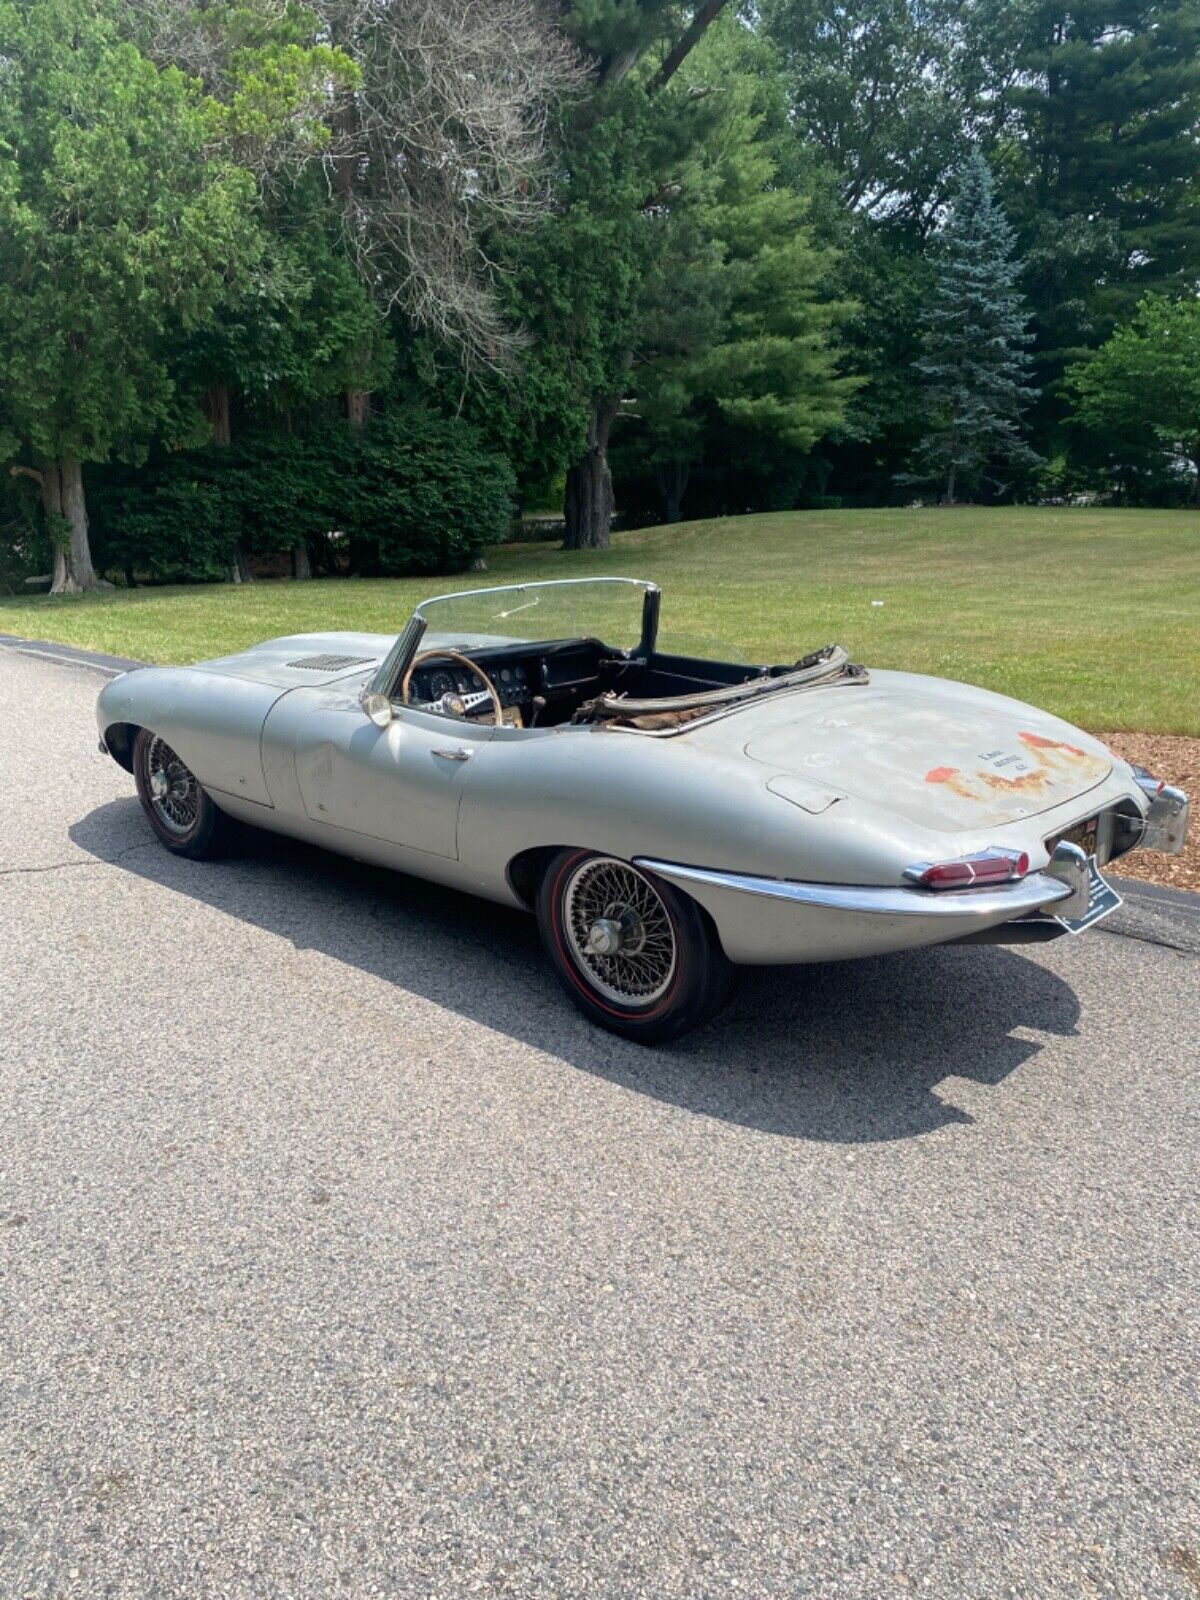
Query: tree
point(439, 145)
point(628, 150)
point(118, 229)
point(877, 96)
point(303, 330)
point(425, 122)
point(740, 333)
point(1147, 376)
point(882, 99)
point(975, 362)
point(1101, 169)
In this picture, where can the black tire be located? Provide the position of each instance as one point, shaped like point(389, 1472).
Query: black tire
point(667, 974)
point(185, 819)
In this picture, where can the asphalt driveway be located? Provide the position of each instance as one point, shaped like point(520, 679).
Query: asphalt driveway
point(338, 1256)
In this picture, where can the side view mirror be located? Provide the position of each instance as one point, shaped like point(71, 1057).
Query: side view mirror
point(377, 706)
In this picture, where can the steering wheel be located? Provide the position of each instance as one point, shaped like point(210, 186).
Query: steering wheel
point(455, 705)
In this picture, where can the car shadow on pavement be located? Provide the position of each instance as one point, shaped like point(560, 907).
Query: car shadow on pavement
point(850, 1052)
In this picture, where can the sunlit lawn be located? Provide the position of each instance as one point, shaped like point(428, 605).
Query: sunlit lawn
point(1093, 614)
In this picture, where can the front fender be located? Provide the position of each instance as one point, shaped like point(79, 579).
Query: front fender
point(213, 724)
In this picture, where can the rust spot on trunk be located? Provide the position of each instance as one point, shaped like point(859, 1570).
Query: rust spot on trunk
point(1038, 741)
point(1056, 766)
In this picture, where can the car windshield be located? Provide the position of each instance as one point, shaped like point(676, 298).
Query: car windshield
point(607, 609)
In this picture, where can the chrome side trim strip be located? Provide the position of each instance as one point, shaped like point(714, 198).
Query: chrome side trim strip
point(1009, 899)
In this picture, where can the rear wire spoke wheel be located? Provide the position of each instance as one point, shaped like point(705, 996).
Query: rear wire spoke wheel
point(177, 808)
point(619, 931)
point(635, 954)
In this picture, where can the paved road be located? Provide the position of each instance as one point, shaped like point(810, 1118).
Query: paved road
point(339, 1257)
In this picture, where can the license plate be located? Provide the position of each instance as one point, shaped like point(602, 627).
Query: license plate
point(1102, 898)
point(1085, 834)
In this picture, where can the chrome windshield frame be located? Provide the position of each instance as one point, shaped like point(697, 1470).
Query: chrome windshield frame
point(408, 641)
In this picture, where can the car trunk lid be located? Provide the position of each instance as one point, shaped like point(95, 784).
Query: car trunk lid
point(943, 755)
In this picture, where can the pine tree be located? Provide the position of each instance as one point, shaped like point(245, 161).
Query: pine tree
point(974, 333)
point(1107, 101)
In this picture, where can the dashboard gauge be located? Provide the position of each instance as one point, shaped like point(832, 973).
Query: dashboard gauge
point(441, 682)
point(506, 676)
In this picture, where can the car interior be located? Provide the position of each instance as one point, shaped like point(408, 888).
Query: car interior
point(584, 681)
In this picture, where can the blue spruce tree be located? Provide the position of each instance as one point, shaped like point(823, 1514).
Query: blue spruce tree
point(975, 335)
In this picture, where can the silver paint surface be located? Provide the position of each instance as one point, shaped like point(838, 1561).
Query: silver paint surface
point(837, 785)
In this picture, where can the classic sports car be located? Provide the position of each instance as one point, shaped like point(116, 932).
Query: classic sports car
point(668, 817)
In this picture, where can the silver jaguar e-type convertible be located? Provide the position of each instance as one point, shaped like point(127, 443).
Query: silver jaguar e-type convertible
point(668, 816)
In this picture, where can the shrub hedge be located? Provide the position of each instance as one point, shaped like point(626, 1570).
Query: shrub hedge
point(412, 492)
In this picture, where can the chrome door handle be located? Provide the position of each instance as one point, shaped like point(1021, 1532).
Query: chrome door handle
point(458, 754)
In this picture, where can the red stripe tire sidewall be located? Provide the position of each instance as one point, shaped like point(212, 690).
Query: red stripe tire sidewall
point(570, 966)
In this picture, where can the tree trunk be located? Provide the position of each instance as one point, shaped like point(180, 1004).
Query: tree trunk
point(705, 14)
point(63, 501)
point(948, 496)
point(588, 507)
point(672, 485)
point(358, 406)
point(301, 565)
point(215, 406)
point(240, 572)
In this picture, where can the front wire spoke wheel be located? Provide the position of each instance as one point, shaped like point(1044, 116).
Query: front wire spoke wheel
point(173, 790)
point(185, 818)
point(619, 931)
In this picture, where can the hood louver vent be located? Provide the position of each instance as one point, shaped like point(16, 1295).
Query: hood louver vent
point(331, 663)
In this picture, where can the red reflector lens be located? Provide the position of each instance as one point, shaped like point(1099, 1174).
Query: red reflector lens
point(990, 866)
point(948, 875)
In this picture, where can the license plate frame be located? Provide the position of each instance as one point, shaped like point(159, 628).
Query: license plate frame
point(1103, 900)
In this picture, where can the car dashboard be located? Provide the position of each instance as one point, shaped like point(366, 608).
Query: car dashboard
point(542, 683)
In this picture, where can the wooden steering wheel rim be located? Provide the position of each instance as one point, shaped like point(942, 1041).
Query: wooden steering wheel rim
point(463, 661)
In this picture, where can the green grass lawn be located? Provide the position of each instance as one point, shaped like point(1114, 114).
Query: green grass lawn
point(1093, 614)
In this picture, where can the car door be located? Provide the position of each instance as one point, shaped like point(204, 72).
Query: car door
point(403, 783)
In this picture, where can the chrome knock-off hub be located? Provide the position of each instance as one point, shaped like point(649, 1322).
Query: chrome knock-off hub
point(604, 937)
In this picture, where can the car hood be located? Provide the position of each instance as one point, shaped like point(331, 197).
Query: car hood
point(940, 754)
point(307, 659)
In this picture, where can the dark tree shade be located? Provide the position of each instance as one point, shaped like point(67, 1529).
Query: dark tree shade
point(1108, 109)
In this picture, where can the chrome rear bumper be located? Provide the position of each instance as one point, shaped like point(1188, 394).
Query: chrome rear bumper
point(778, 920)
point(1016, 899)
point(1166, 823)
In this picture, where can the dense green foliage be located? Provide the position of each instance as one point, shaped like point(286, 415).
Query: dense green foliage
point(1141, 390)
point(973, 363)
point(118, 229)
point(335, 286)
point(415, 492)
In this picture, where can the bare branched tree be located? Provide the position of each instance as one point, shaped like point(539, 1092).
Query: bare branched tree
point(441, 141)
